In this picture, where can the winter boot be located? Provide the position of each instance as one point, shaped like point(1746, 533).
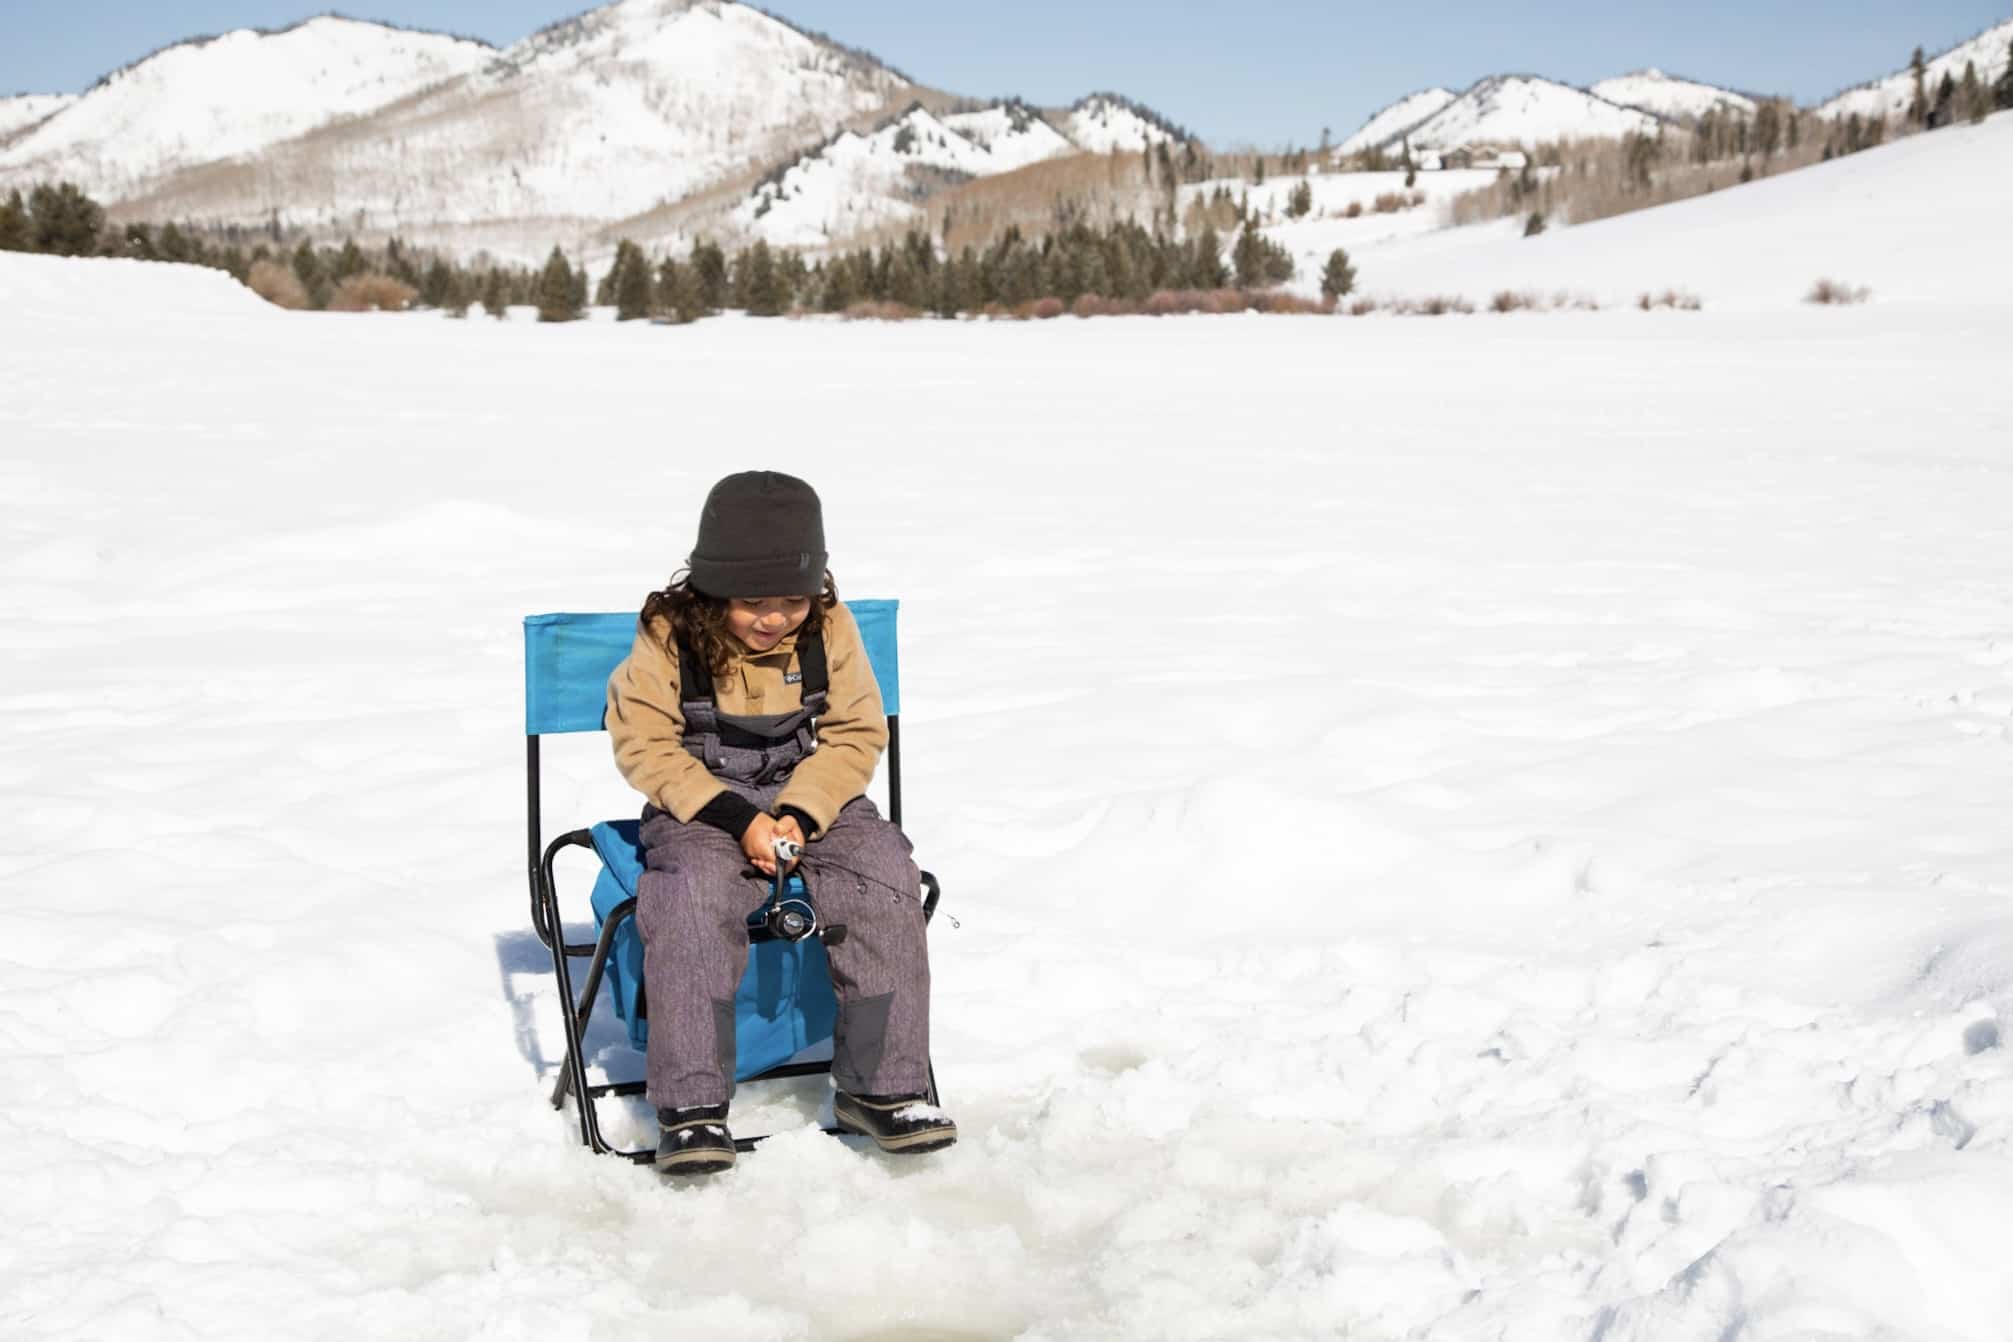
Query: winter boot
point(904, 1124)
point(694, 1141)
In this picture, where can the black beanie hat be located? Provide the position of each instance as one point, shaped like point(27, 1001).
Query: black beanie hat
point(761, 533)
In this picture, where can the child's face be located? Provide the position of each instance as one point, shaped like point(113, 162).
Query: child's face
point(761, 622)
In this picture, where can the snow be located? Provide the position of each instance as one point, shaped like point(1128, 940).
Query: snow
point(1910, 220)
point(857, 183)
point(1479, 828)
point(1665, 95)
point(237, 94)
point(1524, 109)
point(1101, 125)
point(1012, 137)
point(1891, 96)
point(21, 111)
point(1390, 126)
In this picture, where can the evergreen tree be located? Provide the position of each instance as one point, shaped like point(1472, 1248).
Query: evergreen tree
point(758, 285)
point(678, 293)
point(580, 291)
point(1971, 94)
point(175, 245)
point(709, 264)
point(1300, 201)
point(351, 262)
point(632, 282)
point(63, 221)
point(1206, 265)
point(556, 302)
point(308, 270)
point(1338, 277)
point(2002, 92)
point(1945, 110)
point(438, 285)
point(15, 231)
point(1918, 106)
point(495, 294)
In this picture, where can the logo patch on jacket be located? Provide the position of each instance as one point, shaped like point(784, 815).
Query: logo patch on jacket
point(793, 677)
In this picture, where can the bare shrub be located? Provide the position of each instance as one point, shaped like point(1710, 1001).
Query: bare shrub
point(1563, 301)
point(372, 292)
point(1097, 305)
point(1509, 300)
point(277, 285)
point(1434, 305)
point(1279, 301)
point(1676, 300)
point(1044, 309)
point(880, 312)
point(1362, 307)
point(1355, 210)
point(1216, 302)
point(1831, 292)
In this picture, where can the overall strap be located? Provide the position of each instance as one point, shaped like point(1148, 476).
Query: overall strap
point(695, 676)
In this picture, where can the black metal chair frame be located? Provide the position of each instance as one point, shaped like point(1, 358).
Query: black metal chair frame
point(545, 920)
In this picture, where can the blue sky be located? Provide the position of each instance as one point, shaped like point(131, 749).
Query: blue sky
point(1263, 72)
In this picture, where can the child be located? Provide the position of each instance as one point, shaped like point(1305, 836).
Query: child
point(747, 712)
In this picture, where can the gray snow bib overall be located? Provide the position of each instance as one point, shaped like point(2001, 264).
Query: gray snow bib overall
point(753, 754)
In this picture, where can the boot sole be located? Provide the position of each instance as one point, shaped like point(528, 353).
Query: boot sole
point(909, 1144)
point(695, 1162)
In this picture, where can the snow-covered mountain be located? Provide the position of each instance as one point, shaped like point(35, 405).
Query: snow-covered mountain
point(222, 97)
point(645, 118)
point(856, 183)
point(19, 113)
point(1105, 123)
point(1393, 123)
point(1521, 109)
point(1891, 96)
point(1665, 95)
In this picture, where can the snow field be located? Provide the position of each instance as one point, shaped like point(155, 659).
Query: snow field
point(1466, 829)
point(1914, 221)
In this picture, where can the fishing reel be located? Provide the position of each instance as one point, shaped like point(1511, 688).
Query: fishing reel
point(791, 919)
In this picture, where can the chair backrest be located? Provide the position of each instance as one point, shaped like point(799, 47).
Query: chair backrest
point(569, 657)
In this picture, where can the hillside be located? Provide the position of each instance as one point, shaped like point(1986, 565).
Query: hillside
point(1668, 96)
point(1892, 95)
point(1501, 110)
point(19, 113)
point(233, 96)
point(1919, 220)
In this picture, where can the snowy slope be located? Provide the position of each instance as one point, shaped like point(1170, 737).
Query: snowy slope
point(1590, 913)
point(233, 95)
point(1524, 109)
point(1669, 96)
point(857, 183)
point(1891, 96)
point(22, 111)
point(1914, 221)
point(579, 126)
point(1103, 123)
point(1012, 135)
point(1394, 122)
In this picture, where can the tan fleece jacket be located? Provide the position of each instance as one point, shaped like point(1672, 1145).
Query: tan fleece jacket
point(647, 727)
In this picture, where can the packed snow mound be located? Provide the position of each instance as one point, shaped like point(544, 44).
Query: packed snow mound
point(1393, 123)
point(116, 291)
point(1890, 97)
point(1918, 220)
point(233, 95)
point(19, 113)
point(1102, 124)
point(1525, 110)
point(1665, 95)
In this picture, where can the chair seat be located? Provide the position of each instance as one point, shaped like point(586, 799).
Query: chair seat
point(784, 1010)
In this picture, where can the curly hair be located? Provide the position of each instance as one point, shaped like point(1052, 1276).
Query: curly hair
point(699, 621)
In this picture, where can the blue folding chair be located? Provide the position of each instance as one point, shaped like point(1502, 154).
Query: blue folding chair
point(785, 1010)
